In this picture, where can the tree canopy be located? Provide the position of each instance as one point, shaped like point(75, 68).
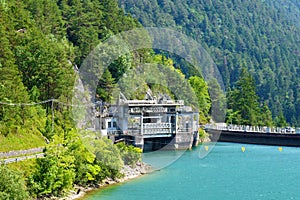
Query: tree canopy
point(262, 36)
point(243, 103)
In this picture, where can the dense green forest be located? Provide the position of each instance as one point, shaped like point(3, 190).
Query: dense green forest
point(255, 47)
point(42, 42)
point(290, 9)
point(261, 36)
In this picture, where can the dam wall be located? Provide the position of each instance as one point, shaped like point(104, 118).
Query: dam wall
point(278, 139)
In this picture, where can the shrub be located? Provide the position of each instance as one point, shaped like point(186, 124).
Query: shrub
point(12, 185)
point(130, 154)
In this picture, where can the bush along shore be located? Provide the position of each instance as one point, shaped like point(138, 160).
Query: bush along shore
point(72, 162)
point(129, 172)
point(203, 136)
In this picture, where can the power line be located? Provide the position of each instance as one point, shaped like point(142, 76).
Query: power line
point(52, 106)
point(47, 101)
point(25, 104)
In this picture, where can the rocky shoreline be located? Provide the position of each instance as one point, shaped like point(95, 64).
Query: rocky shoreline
point(128, 171)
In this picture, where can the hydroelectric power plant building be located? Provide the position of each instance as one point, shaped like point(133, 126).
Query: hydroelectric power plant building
point(151, 124)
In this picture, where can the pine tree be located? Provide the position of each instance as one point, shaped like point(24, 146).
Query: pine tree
point(106, 87)
point(47, 16)
point(44, 62)
point(280, 120)
point(266, 116)
point(12, 89)
point(244, 100)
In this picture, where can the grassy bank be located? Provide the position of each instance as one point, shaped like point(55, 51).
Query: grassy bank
point(25, 167)
point(20, 142)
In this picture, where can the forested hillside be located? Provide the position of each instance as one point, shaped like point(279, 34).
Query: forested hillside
point(262, 36)
point(42, 41)
point(291, 9)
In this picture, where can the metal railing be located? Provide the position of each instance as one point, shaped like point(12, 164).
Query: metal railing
point(258, 129)
point(114, 132)
point(157, 125)
point(157, 131)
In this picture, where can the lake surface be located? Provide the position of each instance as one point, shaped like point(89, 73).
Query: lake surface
point(260, 172)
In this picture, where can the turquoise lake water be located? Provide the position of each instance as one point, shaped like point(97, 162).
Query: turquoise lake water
point(260, 172)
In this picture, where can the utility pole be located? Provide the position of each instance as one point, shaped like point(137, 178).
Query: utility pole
point(52, 110)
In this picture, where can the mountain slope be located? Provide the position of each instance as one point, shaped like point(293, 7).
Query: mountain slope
point(263, 36)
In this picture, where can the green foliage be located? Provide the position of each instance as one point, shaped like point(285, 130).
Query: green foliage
point(218, 101)
point(261, 35)
point(85, 167)
point(12, 185)
point(130, 154)
point(41, 41)
point(26, 167)
point(89, 22)
point(13, 118)
point(280, 120)
point(133, 87)
point(106, 87)
point(21, 141)
point(71, 159)
point(47, 16)
point(107, 155)
point(244, 106)
point(120, 66)
point(178, 86)
point(202, 134)
point(43, 61)
point(54, 174)
point(265, 116)
point(159, 77)
point(244, 100)
point(200, 88)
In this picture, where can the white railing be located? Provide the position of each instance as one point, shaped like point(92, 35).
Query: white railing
point(157, 128)
point(157, 131)
point(157, 125)
point(258, 129)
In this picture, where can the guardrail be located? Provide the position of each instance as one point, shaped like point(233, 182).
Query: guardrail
point(18, 159)
point(259, 129)
point(21, 152)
